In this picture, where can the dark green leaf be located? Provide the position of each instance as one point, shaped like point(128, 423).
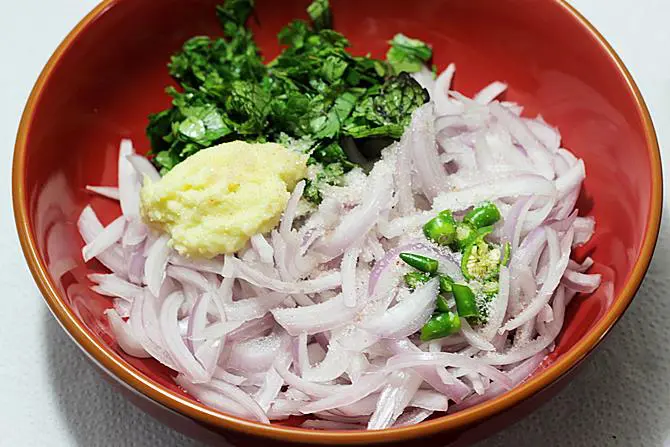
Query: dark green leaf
point(407, 54)
point(319, 12)
point(386, 111)
point(234, 11)
point(203, 125)
point(166, 160)
point(328, 121)
point(333, 68)
point(159, 126)
point(331, 153)
point(294, 34)
point(394, 131)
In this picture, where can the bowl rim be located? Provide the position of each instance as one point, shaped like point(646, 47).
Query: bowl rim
point(113, 363)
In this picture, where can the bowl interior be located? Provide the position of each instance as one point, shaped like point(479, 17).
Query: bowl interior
point(114, 73)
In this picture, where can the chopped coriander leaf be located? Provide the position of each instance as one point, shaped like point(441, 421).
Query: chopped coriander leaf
point(319, 12)
point(313, 91)
point(407, 54)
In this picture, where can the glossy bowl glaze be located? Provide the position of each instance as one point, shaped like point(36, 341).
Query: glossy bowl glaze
point(110, 73)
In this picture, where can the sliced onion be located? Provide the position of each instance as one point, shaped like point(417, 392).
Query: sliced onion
point(310, 388)
point(584, 229)
point(202, 265)
point(144, 168)
point(580, 282)
point(233, 379)
point(256, 354)
point(431, 175)
point(235, 268)
point(430, 400)
point(136, 261)
point(125, 337)
point(515, 220)
point(537, 151)
point(208, 354)
point(283, 408)
point(347, 394)
point(403, 179)
point(408, 316)
point(498, 307)
point(559, 256)
point(348, 269)
point(269, 390)
point(234, 394)
point(288, 217)
point(410, 360)
point(441, 89)
point(156, 264)
point(448, 265)
point(548, 135)
point(583, 267)
point(122, 307)
point(493, 188)
point(197, 321)
point(187, 276)
point(252, 308)
point(355, 225)
point(112, 285)
point(475, 339)
point(135, 234)
point(517, 375)
point(229, 329)
point(187, 363)
point(128, 181)
point(413, 417)
point(490, 92)
point(320, 317)
point(331, 367)
point(533, 347)
point(456, 390)
point(571, 180)
point(425, 77)
point(300, 356)
point(261, 246)
point(109, 236)
point(146, 327)
point(394, 398)
point(216, 399)
point(251, 329)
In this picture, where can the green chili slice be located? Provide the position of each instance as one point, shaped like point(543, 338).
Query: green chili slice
point(483, 215)
point(466, 303)
point(481, 260)
point(415, 279)
point(441, 325)
point(465, 235)
point(484, 231)
point(441, 304)
point(445, 284)
point(491, 287)
point(507, 254)
point(441, 229)
point(419, 262)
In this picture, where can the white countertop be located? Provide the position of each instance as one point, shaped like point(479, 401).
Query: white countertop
point(51, 397)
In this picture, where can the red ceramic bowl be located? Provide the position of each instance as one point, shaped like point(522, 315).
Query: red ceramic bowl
point(109, 74)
